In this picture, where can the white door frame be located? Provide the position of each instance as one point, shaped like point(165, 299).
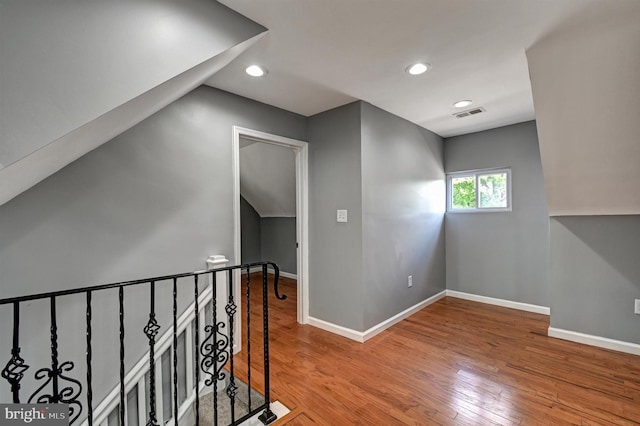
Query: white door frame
point(301, 150)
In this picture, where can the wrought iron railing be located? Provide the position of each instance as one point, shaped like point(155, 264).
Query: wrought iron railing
point(213, 363)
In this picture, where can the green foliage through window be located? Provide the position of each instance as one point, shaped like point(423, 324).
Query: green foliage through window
point(463, 192)
point(493, 190)
point(480, 190)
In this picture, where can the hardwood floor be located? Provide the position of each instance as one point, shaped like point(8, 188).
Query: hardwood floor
point(455, 362)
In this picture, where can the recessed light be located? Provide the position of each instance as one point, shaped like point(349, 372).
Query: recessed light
point(255, 71)
point(463, 103)
point(418, 68)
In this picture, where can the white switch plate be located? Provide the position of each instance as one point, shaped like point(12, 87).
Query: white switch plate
point(410, 281)
point(342, 216)
point(637, 307)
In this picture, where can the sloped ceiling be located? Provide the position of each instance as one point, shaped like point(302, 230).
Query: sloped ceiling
point(74, 74)
point(268, 178)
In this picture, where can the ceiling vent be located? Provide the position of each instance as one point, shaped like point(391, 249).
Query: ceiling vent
point(469, 112)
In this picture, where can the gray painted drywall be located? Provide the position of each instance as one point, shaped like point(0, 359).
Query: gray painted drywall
point(268, 178)
point(335, 273)
point(68, 62)
point(250, 233)
point(155, 200)
point(403, 203)
point(279, 242)
point(503, 254)
point(586, 92)
point(595, 275)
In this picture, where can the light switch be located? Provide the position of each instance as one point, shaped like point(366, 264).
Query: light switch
point(342, 216)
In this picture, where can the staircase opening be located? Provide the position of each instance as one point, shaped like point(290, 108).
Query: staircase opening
point(188, 373)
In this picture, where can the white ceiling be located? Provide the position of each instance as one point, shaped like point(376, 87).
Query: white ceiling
point(325, 53)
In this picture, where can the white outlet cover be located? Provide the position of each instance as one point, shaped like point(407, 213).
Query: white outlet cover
point(342, 216)
point(637, 307)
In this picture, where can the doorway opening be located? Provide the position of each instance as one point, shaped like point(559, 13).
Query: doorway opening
point(245, 137)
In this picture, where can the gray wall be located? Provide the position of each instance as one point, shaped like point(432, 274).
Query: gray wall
point(250, 233)
point(279, 242)
point(63, 65)
point(403, 214)
point(591, 150)
point(268, 238)
point(595, 275)
point(335, 273)
point(502, 254)
point(155, 200)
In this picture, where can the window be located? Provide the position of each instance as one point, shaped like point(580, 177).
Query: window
point(479, 191)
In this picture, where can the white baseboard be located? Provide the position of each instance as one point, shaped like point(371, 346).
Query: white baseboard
point(588, 339)
point(377, 329)
point(358, 336)
point(286, 275)
point(270, 271)
point(362, 337)
point(544, 310)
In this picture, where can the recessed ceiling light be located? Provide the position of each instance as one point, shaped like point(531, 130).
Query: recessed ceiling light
point(419, 68)
point(463, 103)
point(255, 71)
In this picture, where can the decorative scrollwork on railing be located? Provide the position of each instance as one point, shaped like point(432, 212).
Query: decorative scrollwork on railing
point(232, 391)
point(13, 372)
point(151, 331)
point(218, 350)
point(67, 394)
point(152, 328)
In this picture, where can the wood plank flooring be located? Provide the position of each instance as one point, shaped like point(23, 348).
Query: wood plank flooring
point(455, 362)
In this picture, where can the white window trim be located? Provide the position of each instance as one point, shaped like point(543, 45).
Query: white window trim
point(476, 174)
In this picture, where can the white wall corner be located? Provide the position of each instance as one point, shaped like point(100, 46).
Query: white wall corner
point(377, 329)
point(591, 340)
point(544, 310)
point(358, 336)
point(362, 337)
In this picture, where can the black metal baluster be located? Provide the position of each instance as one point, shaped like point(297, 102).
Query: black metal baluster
point(55, 397)
point(197, 348)
point(267, 416)
point(89, 356)
point(249, 336)
point(231, 311)
point(151, 330)
point(13, 372)
point(70, 391)
point(122, 395)
point(175, 351)
point(214, 323)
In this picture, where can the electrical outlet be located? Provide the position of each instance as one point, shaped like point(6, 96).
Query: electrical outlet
point(410, 281)
point(342, 216)
point(637, 307)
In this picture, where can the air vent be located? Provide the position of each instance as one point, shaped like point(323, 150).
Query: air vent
point(469, 112)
